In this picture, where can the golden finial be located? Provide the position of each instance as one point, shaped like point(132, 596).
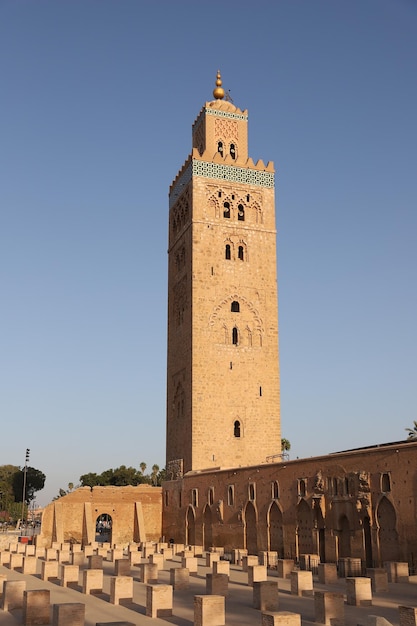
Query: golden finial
point(218, 92)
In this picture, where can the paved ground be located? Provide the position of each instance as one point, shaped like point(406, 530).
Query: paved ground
point(239, 611)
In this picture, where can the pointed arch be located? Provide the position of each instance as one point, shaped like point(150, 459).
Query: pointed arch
point(190, 526)
point(251, 538)
point(305, 528)
point(276, 530)
point(387, 531)
point(207, 528)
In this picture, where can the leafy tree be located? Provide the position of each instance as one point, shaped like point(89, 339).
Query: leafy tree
point(90, 480)
point(285, 445)
point(35, 481)
point(412, 432)
point(142, 467)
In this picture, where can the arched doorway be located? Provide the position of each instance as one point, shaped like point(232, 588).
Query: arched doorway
point(276, 534)
point(251, 535)
point(344, 537)
point(104, 524)
point(367, 541)
point(207, 528)
point(319, 526)
point(389, 548)
point(190, 527)
point(305, 529)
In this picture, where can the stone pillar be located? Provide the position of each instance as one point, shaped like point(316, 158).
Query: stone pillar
point(116, 553)
point(49, 569)
point(408, 615)
point(157, 559)
point(36, 607)
point(64, 556)
point(148, 573)
point(209, 611)
point(40, 553)
point(198, 551)
point(379, 579)
point(217, 584)
point(51, 554)
point(221, 567)
point(265, 595)
point(191, 563)
point(327, 573)
point(358, 591)
point(158, 601)
point(211, 557)
point(77, 558)
point(329, 608)
point(92, 581)
point(256, 574)
point(122, 567)
point(13, 591)
point(95, 561)
point(301, 583)
point(248, 560)
point(3, 579)
point(29, 565)
point(285, 567)
point(16, 560)
point(121, 588)
point(281, 618)
point(272, 559)
point(30, 550)
point(135, 558)
point(69, 574)
point(179, 578)
point(168, 553)
point(69, 614)
point(88, 551)
point(5, 558)
point(397, 572)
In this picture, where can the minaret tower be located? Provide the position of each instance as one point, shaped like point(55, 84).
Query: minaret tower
point(223, 370)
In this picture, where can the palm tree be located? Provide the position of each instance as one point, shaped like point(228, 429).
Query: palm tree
point(412, 432)
point(154, 475)
point(142, 467)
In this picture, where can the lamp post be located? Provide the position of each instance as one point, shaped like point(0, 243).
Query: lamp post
point(25, 469)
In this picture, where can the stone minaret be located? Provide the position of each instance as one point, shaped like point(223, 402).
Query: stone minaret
point(223, 406)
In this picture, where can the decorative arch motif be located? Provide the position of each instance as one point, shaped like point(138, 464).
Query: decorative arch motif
point(250, 323)
point(190, 526)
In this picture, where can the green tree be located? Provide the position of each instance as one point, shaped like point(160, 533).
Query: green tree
point(142, 467)
point(412, 432)
point(154, 475)
point(285, 445)
point(90, 480)
point(35, 481)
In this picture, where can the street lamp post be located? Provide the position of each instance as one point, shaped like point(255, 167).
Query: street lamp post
point(25, 469)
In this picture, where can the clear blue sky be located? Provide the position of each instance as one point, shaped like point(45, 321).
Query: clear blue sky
point(98, 99)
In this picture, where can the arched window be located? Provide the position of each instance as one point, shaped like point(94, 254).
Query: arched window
point(194, 497)
point(235, 307)
point(385, 483)
point(226, 210)
point(240, 213)
point(346, 486)
point(302, 488)
point(335, 486)
point(234, 336)
point(233, 150)
point(275, 490)
point(210, 496)
point(251, 492)
point(236, 429)
point(230, 495)
point(227, 252)
point(220, 147)
point(240, 253)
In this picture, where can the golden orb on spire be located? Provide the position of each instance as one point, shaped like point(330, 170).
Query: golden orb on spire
point(218, 92)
